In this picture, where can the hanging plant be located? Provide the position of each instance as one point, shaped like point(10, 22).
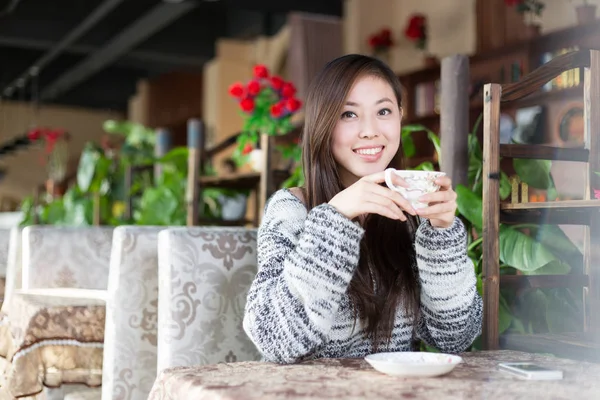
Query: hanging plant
point(267, 104)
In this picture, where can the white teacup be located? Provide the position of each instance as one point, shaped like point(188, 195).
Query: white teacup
point(420, 183)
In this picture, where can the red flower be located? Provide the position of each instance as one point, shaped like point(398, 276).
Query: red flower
point(597, 194)
point(288, 90)
point(381, 39)
point(293, 104)
point(277, 82)
point(253, 88)
point(236, 90)
point(511, 3)
point(247, 148)
point(35, 134)
point(416, 29)
point(260, 71)
point(247, 104)
point(53, 136)
point(277, 110)
point(374, 41)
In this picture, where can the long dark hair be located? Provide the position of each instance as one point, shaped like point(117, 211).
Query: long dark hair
point(386, 276)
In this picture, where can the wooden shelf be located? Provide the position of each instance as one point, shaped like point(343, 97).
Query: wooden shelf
point(544, 152)
point(541, 96)
point(566, 205)
point(537, 98)
point(580, 346)
point(568, 212)
point(544, 281)
point(247, 180)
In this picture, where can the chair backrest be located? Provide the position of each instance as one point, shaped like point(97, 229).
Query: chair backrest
point(4, 245)
point(204, 278)
point(521, 209)
point(129, 366)
point(66, 257)
point(14, 269)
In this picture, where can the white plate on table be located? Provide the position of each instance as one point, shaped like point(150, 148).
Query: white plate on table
point(413, 364)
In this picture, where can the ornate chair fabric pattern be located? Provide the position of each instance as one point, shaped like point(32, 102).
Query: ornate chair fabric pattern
point(65, 257)
point(204, 277)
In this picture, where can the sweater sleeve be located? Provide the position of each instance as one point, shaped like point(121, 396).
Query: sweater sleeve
point(451, 308)
point(305, 264)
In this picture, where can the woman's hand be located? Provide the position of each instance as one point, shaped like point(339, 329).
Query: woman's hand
point(366, 196)
point(442, 204)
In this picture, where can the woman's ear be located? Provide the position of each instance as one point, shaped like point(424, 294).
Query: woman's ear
point(401, 110)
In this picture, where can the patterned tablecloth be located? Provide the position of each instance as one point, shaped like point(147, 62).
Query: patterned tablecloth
point(51, 339)
point(476, 378)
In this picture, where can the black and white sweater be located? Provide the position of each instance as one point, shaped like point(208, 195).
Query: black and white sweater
point(298, 307)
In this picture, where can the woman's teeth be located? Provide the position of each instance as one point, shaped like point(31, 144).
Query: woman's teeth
point(369, 152)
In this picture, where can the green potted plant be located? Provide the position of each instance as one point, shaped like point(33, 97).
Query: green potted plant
point(267, 104)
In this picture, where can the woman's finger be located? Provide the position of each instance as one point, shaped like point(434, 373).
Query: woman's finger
point(378, 177)
point(385, 202)
point(437, 209)
point(444, 182)
point(440, 196)
point(395, 197)
point(385, 211)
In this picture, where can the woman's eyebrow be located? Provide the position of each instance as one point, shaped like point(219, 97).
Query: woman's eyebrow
point(383, 100)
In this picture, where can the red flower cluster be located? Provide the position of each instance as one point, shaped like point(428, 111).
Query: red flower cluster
point(50, 136)
point(416, 28)
point(597, 194)
point(511, 3)
point(285, 102)
point(382, 40)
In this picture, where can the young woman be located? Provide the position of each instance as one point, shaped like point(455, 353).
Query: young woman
point(346, 267)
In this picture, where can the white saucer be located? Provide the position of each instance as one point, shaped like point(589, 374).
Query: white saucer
point(413, 364)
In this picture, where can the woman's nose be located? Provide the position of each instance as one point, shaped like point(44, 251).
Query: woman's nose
point(368, 129)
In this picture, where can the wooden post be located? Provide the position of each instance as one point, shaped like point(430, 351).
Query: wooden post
point(97, 219)
point(491, 214)
point(454, 118)
point(591, 100)
point(163, 142)
point(195, 143)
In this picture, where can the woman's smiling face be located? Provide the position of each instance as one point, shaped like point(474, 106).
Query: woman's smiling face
point(367, 134)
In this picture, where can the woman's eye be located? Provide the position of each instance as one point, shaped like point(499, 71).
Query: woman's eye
point(348, 114)
point(385, 111)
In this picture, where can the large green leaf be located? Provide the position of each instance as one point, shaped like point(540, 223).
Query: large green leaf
point(177, 157)
point(504, 316)
point(425, 166)
point(522, 251)
point(157, 206)
point(437, 145)
point(87, 167)
point(555, 239)
point(469, 205)
point(408, 143)
point(535, 173)
point(564, 310)
point(505, 187)
point(556, 267)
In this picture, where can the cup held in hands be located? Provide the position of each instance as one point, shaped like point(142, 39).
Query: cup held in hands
point(419, 183)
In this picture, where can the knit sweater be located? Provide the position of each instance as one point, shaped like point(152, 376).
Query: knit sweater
point(298, 307)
